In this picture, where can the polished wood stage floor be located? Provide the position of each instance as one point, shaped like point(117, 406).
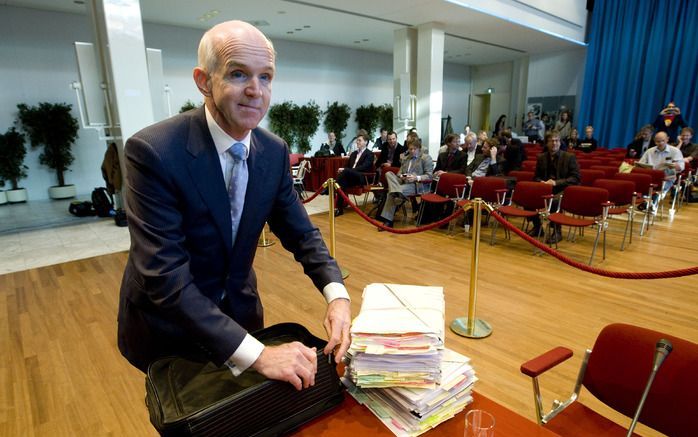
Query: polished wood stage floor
point(62, 375)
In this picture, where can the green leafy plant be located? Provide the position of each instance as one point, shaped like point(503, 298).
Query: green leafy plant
point(306, 121)
point(52, 126)
point(188, 105)
point(281, 121)
point(367, 118)
point(12, 154)
point(386, 116)
point(336, 118)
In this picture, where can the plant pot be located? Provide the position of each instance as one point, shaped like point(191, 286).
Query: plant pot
point(16, 196)
point(62, 192)
point(3, 197)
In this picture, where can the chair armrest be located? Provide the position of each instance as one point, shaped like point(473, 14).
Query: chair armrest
point(546, 361)
point(607, 204)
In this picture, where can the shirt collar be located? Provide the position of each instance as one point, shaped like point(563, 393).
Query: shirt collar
point(221, 139)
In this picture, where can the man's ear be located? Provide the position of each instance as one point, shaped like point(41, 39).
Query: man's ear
point(202, 81)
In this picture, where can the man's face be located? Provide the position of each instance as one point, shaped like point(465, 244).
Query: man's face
point(392, 140)
point(482, 136)
point(240, 88)
point(360, 142)
point(332, 137)
point(553, 144)
point(453, 145)
point(661, 140)
point(414, 150)
point(384, 135)
point(686, 136)
point(486, 149)
point(589, 132)
point(530, 115)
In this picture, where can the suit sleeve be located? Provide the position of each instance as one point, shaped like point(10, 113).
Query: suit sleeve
point(366, 161)
point(289, 221)
point(161, 261)
point(572, 177)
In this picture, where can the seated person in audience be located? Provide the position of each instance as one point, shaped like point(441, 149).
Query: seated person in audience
point(564, 126)
point(642, 142)
point(334, 146)
point(588, 144)
point(512, 152)
point(533, 128)
point(414, 178)
point(485, 163)
point(360, 162)
point(688, 149)
point(450, 161)
point(470, 147)
point(572, 142)
point(481, 138)
point(381, 140)
point(663, 157)
point(390, 152)
point(559, 169)
point(670, 121)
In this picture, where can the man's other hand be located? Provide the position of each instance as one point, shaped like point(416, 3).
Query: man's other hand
point(337, 323)
point(291, 362)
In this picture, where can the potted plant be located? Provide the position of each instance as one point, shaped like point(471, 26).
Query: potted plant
point(336, 118)
point(188, 105)
point(52, 126)
point(386, 116)
point(281, 121)
point(306, 121)
point(367, 118)
point(12, 168)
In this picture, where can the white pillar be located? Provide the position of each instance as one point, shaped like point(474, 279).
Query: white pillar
point(430, 77)
point(404, 72)
point(119, 41)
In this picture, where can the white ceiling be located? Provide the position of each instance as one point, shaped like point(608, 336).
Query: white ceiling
point(472, 38)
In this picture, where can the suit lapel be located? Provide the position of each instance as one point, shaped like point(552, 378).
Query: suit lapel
point(205, 172)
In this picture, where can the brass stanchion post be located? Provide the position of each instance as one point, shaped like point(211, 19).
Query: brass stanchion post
point(263, 241)
point(331, 187)
point(470, 326)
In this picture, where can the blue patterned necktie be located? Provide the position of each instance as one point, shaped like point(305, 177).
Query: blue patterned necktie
point(237, 175)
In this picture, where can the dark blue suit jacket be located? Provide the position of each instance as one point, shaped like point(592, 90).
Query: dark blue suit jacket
point(182, 259)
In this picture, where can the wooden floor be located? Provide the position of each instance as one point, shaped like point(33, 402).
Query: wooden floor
point(61, 373)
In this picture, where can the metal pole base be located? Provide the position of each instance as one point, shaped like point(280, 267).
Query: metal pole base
point(481, 329)
point(345, 273)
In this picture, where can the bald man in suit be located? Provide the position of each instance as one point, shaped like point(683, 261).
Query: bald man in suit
point(202, 185)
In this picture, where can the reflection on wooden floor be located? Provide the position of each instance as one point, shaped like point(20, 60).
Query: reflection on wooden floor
point(62, 375)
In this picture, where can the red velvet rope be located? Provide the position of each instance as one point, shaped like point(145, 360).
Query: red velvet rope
point(601, 272)
point(315, 194)
point(414, 230)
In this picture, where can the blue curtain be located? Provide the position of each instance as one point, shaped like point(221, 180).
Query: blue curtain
point(641, 55)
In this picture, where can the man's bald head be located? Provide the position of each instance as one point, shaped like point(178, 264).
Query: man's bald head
point(219, 39)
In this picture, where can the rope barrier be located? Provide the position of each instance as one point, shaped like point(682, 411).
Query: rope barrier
point(314, 195)
point(601, 272)
point(382, 226)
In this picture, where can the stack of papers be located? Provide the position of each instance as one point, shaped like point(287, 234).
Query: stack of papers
point(413, 411)
point(397, 338)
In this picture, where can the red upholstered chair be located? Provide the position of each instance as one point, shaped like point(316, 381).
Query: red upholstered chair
point(587, 206)
point(295, 158)
point(658, 177)
point(608, 170)
point(528, 201)
point(491, 189)
point(521, 175)
point(585, 163)
point(623, 196)
point(645, 189)
point(528, 166)
point(364, 188)
point(446, 191)
point(616, 371)
point(588, 176)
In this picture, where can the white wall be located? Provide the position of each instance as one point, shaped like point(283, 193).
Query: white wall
point(43, 65)
point(557, 74)
point(499, 77)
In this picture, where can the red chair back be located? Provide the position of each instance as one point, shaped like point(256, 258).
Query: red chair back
point(586, 163)
point(295, 158)
point(608, 170)
point(589, 176)
point(642, 181)
point(584, 201)
point(620, 192)
point(529, 195)
point(521, 175)
point(617, 373)
point(485, 187)
point(447, 182)
point(656, 175)
point(528, 166)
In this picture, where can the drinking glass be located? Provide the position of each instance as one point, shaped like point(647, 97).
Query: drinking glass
point(479, 423)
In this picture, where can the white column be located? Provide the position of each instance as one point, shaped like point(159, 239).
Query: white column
point(404, 72)
point(119, 41)
point(430, 77)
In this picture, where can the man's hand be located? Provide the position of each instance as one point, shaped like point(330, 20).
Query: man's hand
point(290, 362)
point(493, 153)
point(439, 172)
point(550, 182)
point(385, 165)
point(337, 323)
point(410, 178)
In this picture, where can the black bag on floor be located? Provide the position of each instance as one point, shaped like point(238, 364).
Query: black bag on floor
point(102, 202)
point(120, 218)
point(187, 398)
point(81, 209)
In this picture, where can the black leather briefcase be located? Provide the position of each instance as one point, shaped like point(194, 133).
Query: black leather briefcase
point(187, 398)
